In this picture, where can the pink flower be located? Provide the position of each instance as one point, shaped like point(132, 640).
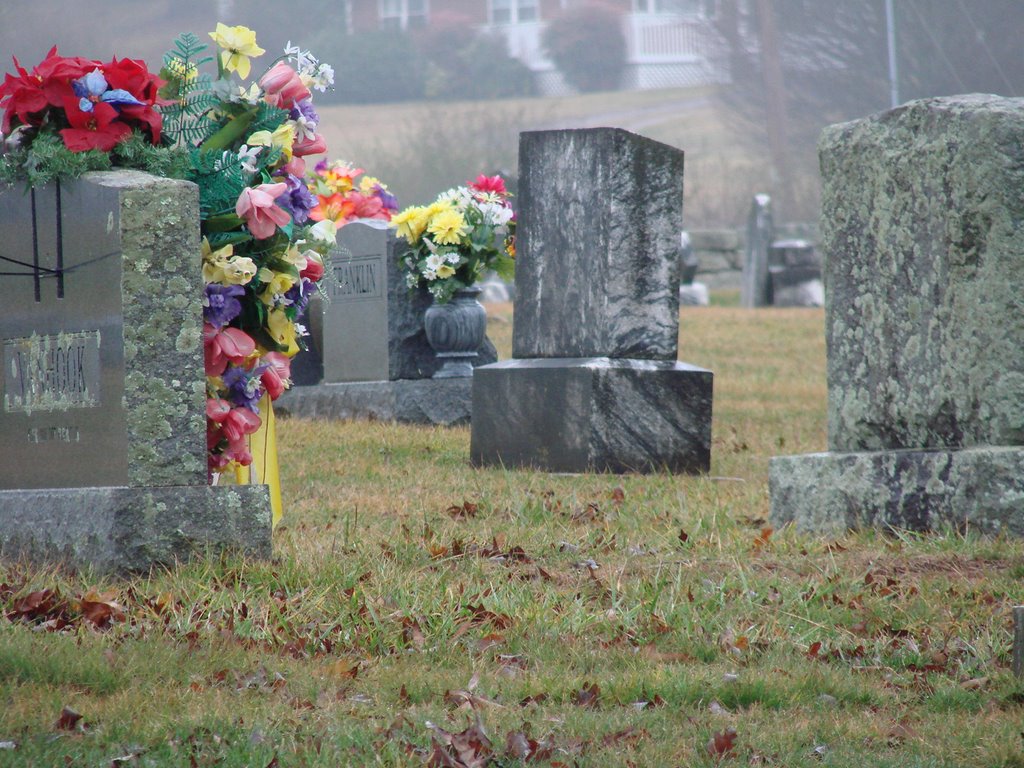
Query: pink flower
point(494, 184)
point(296, 167)
point(217, 410)
point(283, 86)
point(314, 146)
point(314, 269)
point(239, 423)
point(368, 206)
point(222, 346)
point(275, 378)
point(262, 216)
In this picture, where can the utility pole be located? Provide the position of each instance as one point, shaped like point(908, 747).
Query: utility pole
point(775, 100)
point(890, 33)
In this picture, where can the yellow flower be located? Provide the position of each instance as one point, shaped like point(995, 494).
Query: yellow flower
point(221, 266)
point(282, 330)
point(276, 283)
point(367, 184)
point(410, 223)
point(282, 138)
point(445, 270)
point(239, 43)
point(447, 227)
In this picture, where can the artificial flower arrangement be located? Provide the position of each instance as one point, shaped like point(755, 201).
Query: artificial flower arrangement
point(454, 240)
point(262, 250)
point(342, 196)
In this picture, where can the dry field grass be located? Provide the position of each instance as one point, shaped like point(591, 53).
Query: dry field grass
point(422, 612)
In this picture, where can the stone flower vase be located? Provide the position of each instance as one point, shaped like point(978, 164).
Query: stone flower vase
point(456, 330)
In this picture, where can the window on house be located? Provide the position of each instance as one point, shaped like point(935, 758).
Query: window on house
point(704, 8)
point(512, 11)
point(402, 14)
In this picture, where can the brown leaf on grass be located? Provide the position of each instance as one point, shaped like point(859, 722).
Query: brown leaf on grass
point(974, 684)
point(900, 732)
point(100, 608)
point(521, 747)
point(683, 536)
point(69, 720)
point(814, 649)
point(467, 510)
point(588, 696)
point(344, 669)
point(489, 641)
point(629, 737)
point(651, 652)
point(274, 763)
point(722, 744)
point(537, 698)
point(618, 495)
point(470, 748)
point(589, 514)
point(412, 634)
point(40, 605)
point(763, 538)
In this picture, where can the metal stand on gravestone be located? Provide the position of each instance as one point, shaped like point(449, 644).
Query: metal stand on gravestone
point(594, 383)
point(923, 278)
point(103, 429)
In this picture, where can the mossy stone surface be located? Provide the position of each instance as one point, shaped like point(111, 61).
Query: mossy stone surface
point(923, 236)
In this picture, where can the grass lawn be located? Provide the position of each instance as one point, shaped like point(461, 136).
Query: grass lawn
point(416, 604)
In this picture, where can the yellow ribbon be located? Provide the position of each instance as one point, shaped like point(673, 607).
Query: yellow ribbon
point(264, 468)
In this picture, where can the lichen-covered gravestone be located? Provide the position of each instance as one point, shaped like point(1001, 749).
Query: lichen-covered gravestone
point(594, 383)
point(923, 235)
point(370, 357)
point(103, 425)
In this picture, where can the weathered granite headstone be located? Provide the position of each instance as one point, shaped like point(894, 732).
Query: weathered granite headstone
point(691, 293)
point(923, 231)
point(369, 356)
point(754, 289)
point(595, 384)
point(103, 426)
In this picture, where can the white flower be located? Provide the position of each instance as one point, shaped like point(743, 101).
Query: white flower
point(496, 215)
point(434, 261)
point(305, 62)
point(301, 330)
point(430, 274)
point(247, 156)
point(411, 280)
point(409, 262)
point(325, 231)
point(324, 77)
point(452, 257)
point(304, 128)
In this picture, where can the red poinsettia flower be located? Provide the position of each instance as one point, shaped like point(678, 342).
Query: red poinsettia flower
point(55, 74)
point(22, 97)
point(97, 129)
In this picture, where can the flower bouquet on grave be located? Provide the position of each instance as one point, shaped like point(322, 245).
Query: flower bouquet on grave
point(465, 232)
point(261, 252)
point(342, 196)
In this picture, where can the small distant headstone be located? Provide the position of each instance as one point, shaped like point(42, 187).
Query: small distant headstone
point(755, 287)
point(594, 383)
point(102, 389)
point(794, 275)
point(369, 353)
point(921, 234)
point(688, 261)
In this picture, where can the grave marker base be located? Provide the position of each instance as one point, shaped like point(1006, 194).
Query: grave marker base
point(592, 414)
point(978, 488)
point(120, 529)
point(444, 402)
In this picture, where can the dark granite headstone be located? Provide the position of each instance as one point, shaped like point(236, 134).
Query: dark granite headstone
point(922, 237)
point(595, 384)
point(102, 385)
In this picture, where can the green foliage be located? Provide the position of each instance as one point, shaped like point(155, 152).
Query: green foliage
point(46, 159)
point(588, 47)
point(187, 121)
point(221, 180)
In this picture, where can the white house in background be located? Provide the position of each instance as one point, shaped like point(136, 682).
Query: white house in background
point(669, 43)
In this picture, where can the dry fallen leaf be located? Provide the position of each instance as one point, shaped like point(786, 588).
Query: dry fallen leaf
point(722, 744)
point(68, 720)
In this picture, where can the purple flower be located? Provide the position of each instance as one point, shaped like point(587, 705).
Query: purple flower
point(298, 296)
point(305, 109)
point(221, 304)
point(93, 88)
point(244, 386)
point(388, 200)
point(297, 199)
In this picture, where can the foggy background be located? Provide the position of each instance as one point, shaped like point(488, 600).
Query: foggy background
point(426, 108)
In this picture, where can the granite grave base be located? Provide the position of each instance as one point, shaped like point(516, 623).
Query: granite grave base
point(444, 402)
point(592, 414)
point(120, 529)
point(980, 489)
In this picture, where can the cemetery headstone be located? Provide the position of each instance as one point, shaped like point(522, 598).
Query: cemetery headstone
point(922, 236)
point(369, 356)
point(102, 426)
point(794, 275)
point(754, 291)
point(594, 383)
point(691, 293)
